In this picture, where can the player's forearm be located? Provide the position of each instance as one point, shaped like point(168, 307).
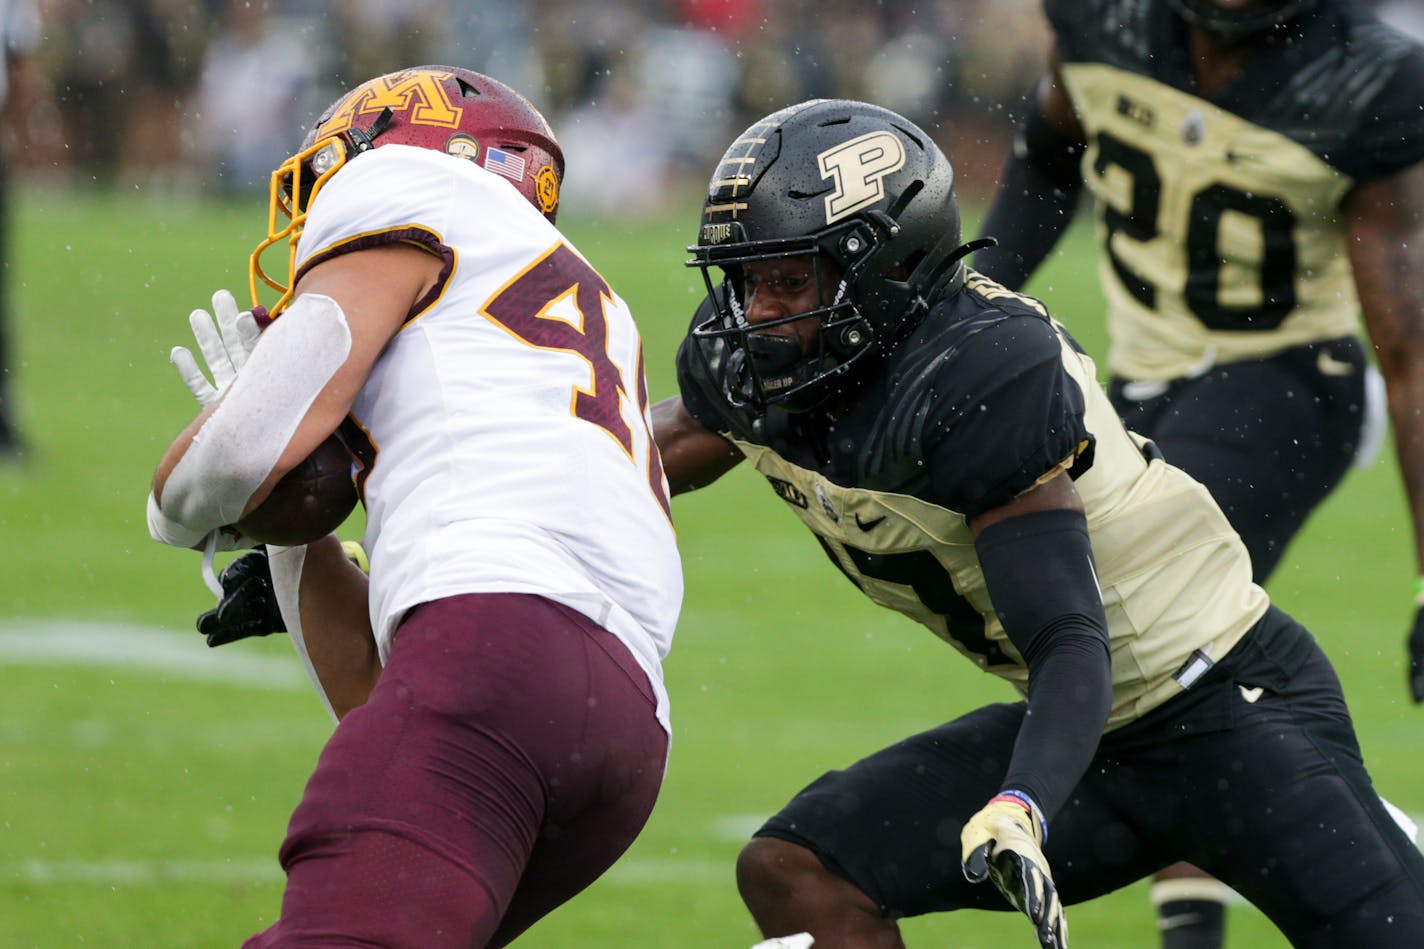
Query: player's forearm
point(332, 628)
point(1039, 571)
point(1070, 695)
point(163, 526)
point(1034, 204)
point(1406, 406)
point(1384, 220)
point(274, 413)
point(693, 456)
point(1399, 349)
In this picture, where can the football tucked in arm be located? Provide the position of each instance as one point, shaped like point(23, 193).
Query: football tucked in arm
point(310, 501)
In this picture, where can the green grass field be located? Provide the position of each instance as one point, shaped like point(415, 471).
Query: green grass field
point(145, 782)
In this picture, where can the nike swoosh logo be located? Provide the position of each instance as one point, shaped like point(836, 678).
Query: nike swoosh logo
point(1181, 919)
point(1251, 695)
point(870, 524)
point(1328, 365)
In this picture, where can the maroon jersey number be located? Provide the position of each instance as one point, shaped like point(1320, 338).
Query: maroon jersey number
point(523, 308)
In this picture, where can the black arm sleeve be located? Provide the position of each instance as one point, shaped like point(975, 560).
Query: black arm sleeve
point(1040, 576)
point(1037, 195)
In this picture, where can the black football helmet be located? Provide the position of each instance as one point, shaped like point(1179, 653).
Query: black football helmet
point(845, 183)
point(1242, 23)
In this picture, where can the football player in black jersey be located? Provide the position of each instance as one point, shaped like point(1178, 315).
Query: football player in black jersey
point(948, 445)
point(1257, 181)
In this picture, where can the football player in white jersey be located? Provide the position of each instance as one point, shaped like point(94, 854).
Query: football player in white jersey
point(503, 723)
point(1257, 174)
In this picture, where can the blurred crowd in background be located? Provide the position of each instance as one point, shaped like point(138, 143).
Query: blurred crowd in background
point(207, 96)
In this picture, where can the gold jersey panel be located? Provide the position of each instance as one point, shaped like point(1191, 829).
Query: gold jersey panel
point(1222, 240)
point(1175, 578)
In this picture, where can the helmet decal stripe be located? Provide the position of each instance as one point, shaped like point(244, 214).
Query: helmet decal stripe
point(735, 179)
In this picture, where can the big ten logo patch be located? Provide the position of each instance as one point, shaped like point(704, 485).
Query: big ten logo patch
point(789, 493)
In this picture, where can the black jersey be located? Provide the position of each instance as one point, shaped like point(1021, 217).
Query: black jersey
point(985, 399)
point(1220, 216)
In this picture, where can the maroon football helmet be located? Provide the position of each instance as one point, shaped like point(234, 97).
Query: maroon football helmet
point(443, 108)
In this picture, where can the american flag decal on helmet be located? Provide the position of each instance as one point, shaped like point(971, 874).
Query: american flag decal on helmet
point(504, 163)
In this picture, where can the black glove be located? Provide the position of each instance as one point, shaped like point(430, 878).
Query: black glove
point(249, 604)
point(1416, 657)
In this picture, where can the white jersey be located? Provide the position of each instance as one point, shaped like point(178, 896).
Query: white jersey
point(506, 440)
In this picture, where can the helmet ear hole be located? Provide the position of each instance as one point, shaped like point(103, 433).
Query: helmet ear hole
point(909, 265)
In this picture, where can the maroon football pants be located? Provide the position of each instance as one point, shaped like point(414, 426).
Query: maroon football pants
point(507, 756)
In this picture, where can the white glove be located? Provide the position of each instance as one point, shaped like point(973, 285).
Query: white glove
point(225, 338)
point(1002, 843)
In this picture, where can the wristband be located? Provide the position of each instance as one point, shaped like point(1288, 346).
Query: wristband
point(1419, 592)
point(1028, 804)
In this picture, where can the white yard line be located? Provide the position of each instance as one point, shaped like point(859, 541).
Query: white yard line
point(110, 645)
point(132, 872)
point(183, 655)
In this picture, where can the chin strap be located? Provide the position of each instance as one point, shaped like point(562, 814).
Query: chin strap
point(964, 250)
point(947, 278)
point(366, 140)
point(960, 252)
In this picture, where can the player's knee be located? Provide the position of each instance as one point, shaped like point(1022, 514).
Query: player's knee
point(771, 870)
point(776, 876)
point(788, 890)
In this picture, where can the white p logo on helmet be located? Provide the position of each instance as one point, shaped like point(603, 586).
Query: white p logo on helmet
point(859, 167)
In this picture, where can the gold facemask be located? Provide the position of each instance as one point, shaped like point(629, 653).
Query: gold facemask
point(295, 185)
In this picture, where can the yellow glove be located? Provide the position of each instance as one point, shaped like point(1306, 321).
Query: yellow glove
point(1002, 843)
point(356, 554)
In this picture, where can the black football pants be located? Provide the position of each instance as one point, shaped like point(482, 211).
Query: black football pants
point(1254, 774)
